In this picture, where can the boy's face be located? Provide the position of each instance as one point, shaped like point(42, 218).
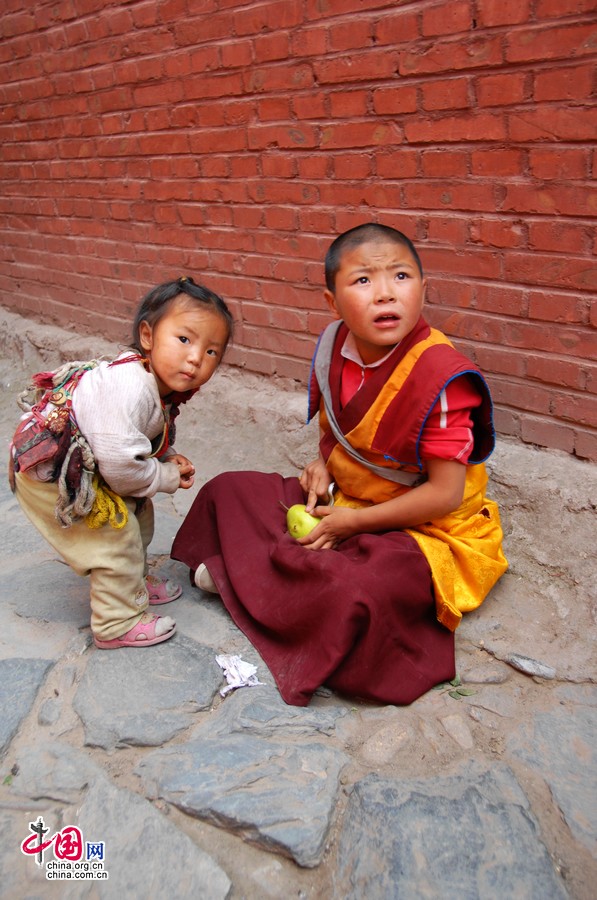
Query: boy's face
point(379, 293)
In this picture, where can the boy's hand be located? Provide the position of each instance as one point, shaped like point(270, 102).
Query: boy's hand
point(186, 470)
point(315, 481)
point(337, 524)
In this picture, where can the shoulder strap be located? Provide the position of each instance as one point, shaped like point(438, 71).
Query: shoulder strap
point(322, 368)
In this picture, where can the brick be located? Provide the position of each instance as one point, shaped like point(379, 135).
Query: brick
point(278, 78)
point(282, 192)
point(534, 399)
point(553, 370)
point(549, 123)
point(496, 162)
point(312, 106)
point(501, 361)
point(360, 194)
point(559, 236)
point(561, 163)
point(356, 67)
point(317, 220)
point(296, 370)
point(546, 433)
point(479, 127)
point(549, 199)
point(449, 195)
point(268, 47)
point(289, 270)
point(507, 422)
point(349, 104)
point(572, 273)
point(222, 140)
point(445, 293)
point(451, 55)
point(289, 319)
point(273, 109)
point(505, 89)
point(540, 44)
point(187, 31)
point(500, 232)
point(256, 314)
point(450, 230)
point(351, 35)
point(359, 134)
point(236, 112)
point(470, 262)
point(279, 165)
point(449, 93)
point(585, 444)
point(396, 27)
point(546, 9)
point(501, 299)
point(398, 163)
point(308, 41)
point(253, 360)
point(573, 83)
point(262, 137)
point(281, 218)
point(272, 16)
point(353, 165)
point(444, 163)
point(579, 408)
point(450, 18)
point(557, 306)
point(236, 53)
point(395, 100)
point(491, 13)
point(228, 85)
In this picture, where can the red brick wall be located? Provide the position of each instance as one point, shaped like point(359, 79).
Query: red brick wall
point(233, 140)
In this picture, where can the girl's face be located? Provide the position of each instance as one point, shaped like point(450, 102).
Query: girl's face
point(185, 346)
point(379, 293)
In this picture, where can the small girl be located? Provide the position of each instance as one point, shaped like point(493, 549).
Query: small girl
point(88, 456)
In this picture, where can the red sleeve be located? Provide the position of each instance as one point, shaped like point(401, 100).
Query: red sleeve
point(447, 433)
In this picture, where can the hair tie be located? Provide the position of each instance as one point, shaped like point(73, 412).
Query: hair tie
point(182, 279)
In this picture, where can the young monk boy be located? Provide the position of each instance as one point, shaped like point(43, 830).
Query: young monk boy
point(368, 601)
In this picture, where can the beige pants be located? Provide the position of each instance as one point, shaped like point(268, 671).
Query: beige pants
point(114, 559)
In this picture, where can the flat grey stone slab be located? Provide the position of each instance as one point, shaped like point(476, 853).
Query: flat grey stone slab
point(144, 697)
point(52, 771)
point(53, 593)
point(278, 795)
point(139, 842)
point(20, 680)
point(145, 854)
point(470, 835)
point(562, 747)
point(262, 711)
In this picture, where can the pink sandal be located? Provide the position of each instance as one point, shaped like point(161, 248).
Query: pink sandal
point(150, 629)
point(162, 590)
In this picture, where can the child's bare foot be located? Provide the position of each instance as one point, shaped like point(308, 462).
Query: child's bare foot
point(204, 581)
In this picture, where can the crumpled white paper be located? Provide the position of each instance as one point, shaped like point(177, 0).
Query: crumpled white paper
point(238, 673)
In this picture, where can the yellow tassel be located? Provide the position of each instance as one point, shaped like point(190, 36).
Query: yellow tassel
point(107, 507)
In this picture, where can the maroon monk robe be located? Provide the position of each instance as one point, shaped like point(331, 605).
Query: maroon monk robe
point(359, 619)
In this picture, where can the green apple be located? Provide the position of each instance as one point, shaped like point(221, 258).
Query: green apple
point(300, 523)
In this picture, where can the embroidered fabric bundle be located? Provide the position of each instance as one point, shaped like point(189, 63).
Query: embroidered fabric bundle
point(50, 443)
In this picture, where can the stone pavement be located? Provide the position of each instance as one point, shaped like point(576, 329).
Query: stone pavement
point(481, 789)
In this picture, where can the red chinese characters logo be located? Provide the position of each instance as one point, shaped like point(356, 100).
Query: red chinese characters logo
point(68, 843)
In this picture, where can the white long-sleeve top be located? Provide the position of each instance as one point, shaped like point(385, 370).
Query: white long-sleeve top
point(119, 412)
